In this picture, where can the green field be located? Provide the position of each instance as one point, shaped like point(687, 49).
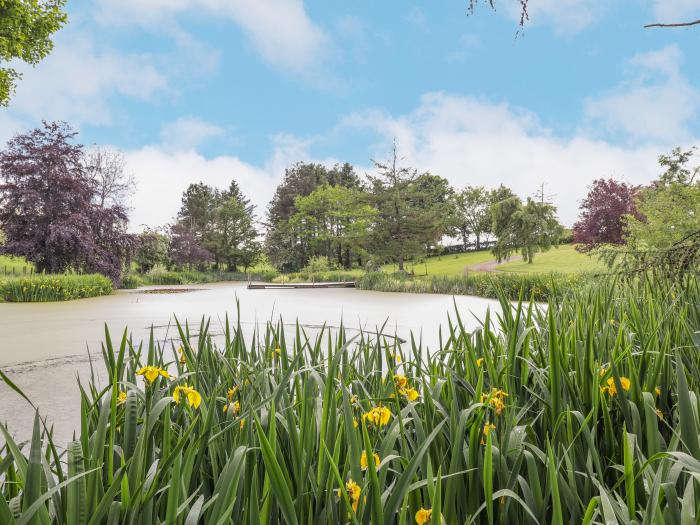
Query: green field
point(453, 264)
point(564, 259)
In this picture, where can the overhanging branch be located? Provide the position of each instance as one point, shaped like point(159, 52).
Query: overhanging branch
point(679, 24)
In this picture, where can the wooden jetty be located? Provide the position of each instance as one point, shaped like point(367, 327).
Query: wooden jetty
point(267, 286)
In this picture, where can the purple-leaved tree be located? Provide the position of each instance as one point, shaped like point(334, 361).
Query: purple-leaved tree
point(601, 219)
point(48, 207)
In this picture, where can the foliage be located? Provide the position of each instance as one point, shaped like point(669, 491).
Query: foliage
point(320, 276)
point(602, 214)
point(193, 277)
point(333, 222)
point(283, 246)
point(318, 264)
point(537, 228)
point(581, 412)
point(503, 208)
point(48, 210)
point(26, 27)
point(151, 250)
point(185, 250)
point(529, 227)
point(413, 211)
point(669, 210)
point(473, 205)
point(220, 222)
point(535, 286)
point(131, 281)
point(45, 287)
point(664, 236)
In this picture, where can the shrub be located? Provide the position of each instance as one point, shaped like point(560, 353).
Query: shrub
point(46, 287)
point(319, 263)
point(194, 277)
point(131, 281)
point(330, 276)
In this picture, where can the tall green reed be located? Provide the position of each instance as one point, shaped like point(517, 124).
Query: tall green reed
point(583, 411)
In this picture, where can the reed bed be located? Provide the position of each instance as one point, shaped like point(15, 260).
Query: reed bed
point(537, 287)
point(59, 287)
point(582, 412)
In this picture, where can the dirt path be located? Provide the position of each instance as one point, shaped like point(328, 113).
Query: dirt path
point(490, 266)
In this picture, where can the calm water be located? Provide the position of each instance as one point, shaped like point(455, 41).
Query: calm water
point(44, 346)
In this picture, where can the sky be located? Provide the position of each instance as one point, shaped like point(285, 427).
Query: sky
point(214, 90)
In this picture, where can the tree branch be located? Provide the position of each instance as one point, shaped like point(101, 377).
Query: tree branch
point(680, 24)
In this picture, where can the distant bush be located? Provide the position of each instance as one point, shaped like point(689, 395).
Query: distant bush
point(193, 277)
point(331, 276)
point(539, 287)
point(318, 264)
point(44, 288)
point(131, 281)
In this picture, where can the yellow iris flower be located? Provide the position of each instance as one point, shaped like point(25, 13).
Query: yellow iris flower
point(495, 399)
point(423, 516)
point(363, 460)
point(611, 387)
point(121, 397)
point(194, 398)
point(353, 490)
point(379, 416)
point(151, 373)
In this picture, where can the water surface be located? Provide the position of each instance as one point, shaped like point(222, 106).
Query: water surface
point(44, 346)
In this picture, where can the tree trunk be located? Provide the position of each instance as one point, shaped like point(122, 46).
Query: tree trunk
point(401, 263)
point(478, 242)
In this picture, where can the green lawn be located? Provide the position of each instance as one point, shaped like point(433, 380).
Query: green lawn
point(9, 263)
point(564, 259)
point(445, 264)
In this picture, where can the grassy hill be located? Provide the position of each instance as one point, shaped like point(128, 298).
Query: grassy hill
point(453, 264)
point(564, 259)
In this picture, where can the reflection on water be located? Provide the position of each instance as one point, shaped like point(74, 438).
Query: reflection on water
point(44, 347)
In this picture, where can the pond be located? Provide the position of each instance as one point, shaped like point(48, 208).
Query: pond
point(44, 347)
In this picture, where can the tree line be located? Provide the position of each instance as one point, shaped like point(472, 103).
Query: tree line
point(63, 207)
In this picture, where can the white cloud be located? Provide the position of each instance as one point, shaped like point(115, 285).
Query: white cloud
point(76, 81)
point(163, 175)
point(187, 133)
point(280, 30)
point(472, 142)
point(676, 10)
point(657, 103)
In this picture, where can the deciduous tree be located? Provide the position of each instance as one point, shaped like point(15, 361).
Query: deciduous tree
point(473, 207)
point(602, 214)
point(26, 28)
point(49, 210)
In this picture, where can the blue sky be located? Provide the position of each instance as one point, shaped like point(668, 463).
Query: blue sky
point(217, 89)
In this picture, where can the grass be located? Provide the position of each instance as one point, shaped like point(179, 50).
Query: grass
point(453, 264)
point(10, 265)
point(535, 286)
point(44, 288)
point(162, 277)
point(564, 259)
point(583, 412)
point(323, 276)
